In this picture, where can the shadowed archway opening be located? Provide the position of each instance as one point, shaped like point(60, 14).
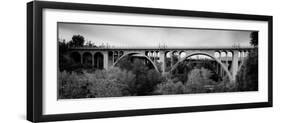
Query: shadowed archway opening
point(87, 58)
point(128, 58)
point(75, 57)
point(98, 60)
point(207, 58)
point(199, 62)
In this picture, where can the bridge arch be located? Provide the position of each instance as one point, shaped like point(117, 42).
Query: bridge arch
point(87, 58)
point(206, 54)
point(98, 60)
point(132, 53)
point(76, 57)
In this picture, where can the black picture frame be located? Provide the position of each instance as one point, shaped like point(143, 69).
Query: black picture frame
point(34, 60)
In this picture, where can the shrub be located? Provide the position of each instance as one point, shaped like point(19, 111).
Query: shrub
point(199, 81)
point(101, 83)
point(111, 83)
point(200, 77)
point(146, 79)
point(72, 85)
point(170, 87)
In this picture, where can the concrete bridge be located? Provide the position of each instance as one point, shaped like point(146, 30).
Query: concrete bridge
point(230, 59)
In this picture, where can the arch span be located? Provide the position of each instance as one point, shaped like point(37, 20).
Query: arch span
point(98, 60)
point(76, 57)
point(206, 54)
point(127, 54)
point(87, 58)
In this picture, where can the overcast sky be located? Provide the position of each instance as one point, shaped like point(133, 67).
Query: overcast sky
point(132, 36)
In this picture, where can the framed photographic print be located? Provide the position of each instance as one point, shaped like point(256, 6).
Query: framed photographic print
point(89, 61)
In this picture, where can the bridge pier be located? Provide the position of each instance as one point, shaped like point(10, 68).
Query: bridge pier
point(163, 61)
point(234, 64)
point(105, 60)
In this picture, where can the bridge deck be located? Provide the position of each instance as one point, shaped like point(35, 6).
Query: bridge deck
point(171, 48)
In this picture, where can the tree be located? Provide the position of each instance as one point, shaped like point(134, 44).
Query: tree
point(254, 39)
point(64, 60)
point(247, 77)
point(199, 81)
point(146, 79)
point(170, 87)
point(200, 76)
point(184, 67)
point(77, 41)
point(102, 83)
point(72, 85)
point(125, 63)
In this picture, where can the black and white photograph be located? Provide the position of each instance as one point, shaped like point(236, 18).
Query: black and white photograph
point(109, 60)
point(91, 60)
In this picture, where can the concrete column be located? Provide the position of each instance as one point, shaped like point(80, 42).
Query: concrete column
point(226, 63)
point(179, 56)
point(220, 67)
point(105, 60)
point(239, 57)
point(153, 56)
point(163, 61)
point(242, 55)
point(234, 64)
point(172, 58)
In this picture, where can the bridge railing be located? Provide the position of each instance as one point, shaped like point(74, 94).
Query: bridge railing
point(162, 48)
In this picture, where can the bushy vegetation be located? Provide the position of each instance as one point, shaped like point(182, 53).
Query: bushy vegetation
point(183, 69)
point(170, 87)
point(72, 85)
point(134, 78)
point(146, 78)
point(247, 77)
point(199, 81)
point(137, 77)
point(108, 83)
point(101, 83)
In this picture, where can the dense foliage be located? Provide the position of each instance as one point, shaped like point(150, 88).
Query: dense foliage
point(247, 77)
point(72, 85)
point(254, 38)
point(135, 76)
point(170, 87)
point(77, 41)
point(101, 83)
point(183, 68)
point(146, 77)
point(199, 81)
